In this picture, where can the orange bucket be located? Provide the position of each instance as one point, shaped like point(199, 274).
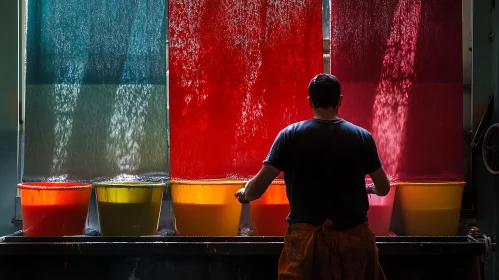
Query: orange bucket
point(431, 208)
point(54, 209)
point(206, 208)
point(269, 212)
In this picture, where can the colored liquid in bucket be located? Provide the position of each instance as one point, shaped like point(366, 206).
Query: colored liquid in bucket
point(54, 220)
point(207, 219)
point(437, 222)
point(128, 219)
point(269, 219)
point(380, 217)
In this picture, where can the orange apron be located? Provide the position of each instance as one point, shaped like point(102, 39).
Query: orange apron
point(316, 253)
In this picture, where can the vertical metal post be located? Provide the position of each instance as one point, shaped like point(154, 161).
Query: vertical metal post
point(485, 81)
point(8, 112)
point(482, 58)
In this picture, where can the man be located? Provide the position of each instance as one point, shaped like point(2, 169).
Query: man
point(325, 161)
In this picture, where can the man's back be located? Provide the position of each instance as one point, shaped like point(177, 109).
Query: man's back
point(324, 164)
point(325, 161)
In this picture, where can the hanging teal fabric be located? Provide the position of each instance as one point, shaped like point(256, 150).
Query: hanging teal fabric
point(96, 100)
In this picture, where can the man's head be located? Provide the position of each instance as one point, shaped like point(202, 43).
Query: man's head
point(324, 92)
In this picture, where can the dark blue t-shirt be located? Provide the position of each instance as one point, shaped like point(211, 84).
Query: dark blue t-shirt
point(325, 163)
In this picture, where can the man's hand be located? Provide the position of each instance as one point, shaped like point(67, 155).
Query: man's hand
point(241, 196)
point(370, 189)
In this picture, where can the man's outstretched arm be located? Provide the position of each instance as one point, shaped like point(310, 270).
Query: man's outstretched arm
point(381, 182)
point(255, 187)
point(276, 161)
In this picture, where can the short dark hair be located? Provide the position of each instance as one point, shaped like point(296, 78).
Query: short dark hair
point(324, 91)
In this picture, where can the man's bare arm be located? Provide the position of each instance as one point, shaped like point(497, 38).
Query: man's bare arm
point(381, 182)
point(255, 187)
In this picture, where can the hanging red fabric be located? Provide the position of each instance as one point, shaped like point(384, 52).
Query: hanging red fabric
point(238, 74)
point(400, 64)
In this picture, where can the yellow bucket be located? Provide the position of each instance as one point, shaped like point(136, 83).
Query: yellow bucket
point(430, 208)
point(129, 208)
point(206, 208)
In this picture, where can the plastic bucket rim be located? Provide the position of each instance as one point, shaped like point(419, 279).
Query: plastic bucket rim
point(208, 182)
point(431, 183)
point(128, 185)
point(393, 182)
point(53, 186)
point(278, 182)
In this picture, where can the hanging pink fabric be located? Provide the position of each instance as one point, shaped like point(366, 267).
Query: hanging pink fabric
point(238, 74)
point(400, 64)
